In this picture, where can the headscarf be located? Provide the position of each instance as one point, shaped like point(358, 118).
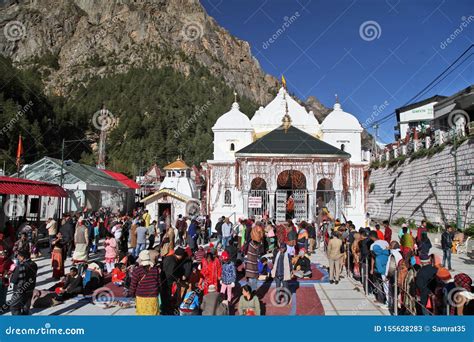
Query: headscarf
point(463, 280)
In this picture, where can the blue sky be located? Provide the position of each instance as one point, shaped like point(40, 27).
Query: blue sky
point(322, 49)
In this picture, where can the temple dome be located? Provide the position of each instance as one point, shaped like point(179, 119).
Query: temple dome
point(338, 120)
point(233, 120)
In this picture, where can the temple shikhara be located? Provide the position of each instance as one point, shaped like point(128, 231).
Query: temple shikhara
point(282, 163)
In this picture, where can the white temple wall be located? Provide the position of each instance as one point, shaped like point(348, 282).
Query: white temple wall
point(351, 141)
point(355, 209)
point(224, 139)
point(222, 178)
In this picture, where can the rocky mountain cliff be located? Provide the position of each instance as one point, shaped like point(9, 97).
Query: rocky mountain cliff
point(84, 38)
point(72, 41)
point(75, 40)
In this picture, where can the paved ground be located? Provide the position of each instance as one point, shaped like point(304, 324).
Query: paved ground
point(345, 298)
point(309, 297)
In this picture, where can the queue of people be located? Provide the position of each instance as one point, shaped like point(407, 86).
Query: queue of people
point(424, 281)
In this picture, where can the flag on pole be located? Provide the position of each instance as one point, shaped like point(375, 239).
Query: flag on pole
point(283, 81)
point(19, 152)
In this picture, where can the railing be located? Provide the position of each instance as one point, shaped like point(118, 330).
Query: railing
point(426, 141)
point(393, 293)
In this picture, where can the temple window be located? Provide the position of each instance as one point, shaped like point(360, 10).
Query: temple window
point(227, 197)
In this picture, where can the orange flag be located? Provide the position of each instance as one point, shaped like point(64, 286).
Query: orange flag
point(19, 152)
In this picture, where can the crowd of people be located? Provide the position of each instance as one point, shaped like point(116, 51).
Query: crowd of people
point(402, 272)
point(189, 266)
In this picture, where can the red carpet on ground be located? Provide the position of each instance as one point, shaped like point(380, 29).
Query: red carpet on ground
point(304, 299)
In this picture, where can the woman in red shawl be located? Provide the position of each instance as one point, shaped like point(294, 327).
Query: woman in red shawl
point(211, 271)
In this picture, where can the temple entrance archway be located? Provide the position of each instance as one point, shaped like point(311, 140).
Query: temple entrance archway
point(291, 196)
point(258, 203)
point(326, 196)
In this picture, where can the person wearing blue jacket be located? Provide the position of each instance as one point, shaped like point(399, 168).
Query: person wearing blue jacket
point(192, 235)
point(381, 252)
point(229, 275)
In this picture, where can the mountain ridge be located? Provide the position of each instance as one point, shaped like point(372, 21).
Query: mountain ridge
point(83, 38)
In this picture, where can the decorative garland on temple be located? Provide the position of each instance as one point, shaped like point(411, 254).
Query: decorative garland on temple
point(291, 179)
point(258, 183)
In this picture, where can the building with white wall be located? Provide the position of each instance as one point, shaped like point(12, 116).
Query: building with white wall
point(416, 115)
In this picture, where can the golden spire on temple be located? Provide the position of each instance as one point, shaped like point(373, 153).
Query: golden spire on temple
point(286, 120)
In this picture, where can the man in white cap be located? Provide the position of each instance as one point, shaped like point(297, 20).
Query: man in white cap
point(212, 303)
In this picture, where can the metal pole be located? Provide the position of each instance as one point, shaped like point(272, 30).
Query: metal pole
point(393, 200)
point(60, 199)
point(456, 180)
point(348, 261)
point(366, 280)
point(395, 293)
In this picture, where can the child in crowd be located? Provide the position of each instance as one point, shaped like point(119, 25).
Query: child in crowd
point(229, 276)
point(118, 274)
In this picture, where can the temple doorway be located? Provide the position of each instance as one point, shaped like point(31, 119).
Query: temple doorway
point(291, 197)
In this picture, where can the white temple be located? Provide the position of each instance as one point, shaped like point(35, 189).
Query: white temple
point(284, 164)
point(178, 194)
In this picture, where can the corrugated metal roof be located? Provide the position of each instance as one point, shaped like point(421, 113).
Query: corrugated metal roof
point(49, 169)
point(122, 179)
point(89, 174)
point(20, 186)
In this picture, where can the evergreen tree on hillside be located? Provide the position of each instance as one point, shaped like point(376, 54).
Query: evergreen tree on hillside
point(159, 114)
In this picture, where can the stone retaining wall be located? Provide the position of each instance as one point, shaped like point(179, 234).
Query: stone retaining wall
point(417, 192)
